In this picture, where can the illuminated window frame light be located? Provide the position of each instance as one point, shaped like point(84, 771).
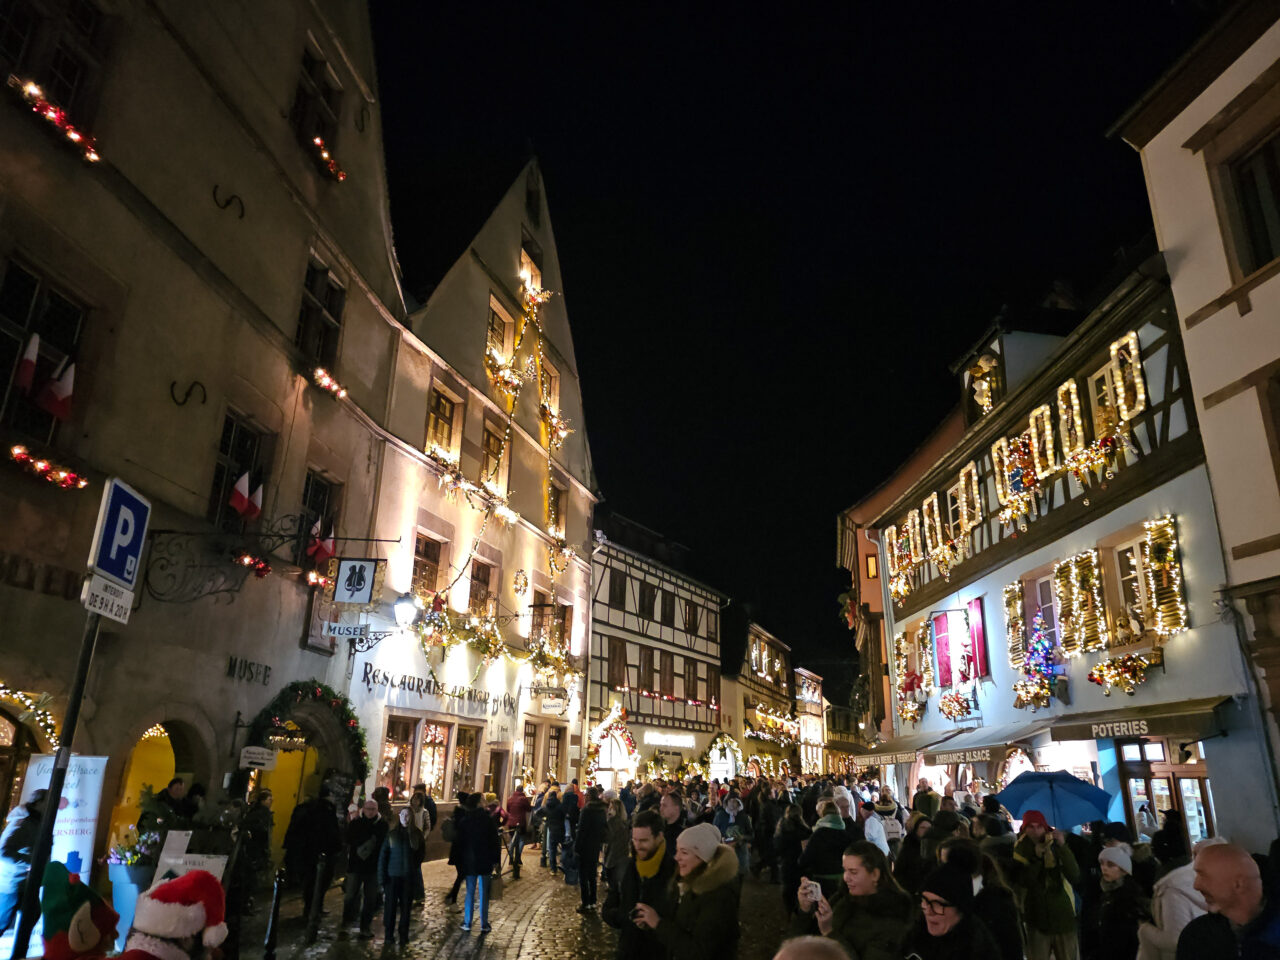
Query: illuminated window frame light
point(1015, 626)
point(1070, 419)
point(1132, 359)
point(970, 497)
point(1170, 615)
point(913, 536)
point(1000, 469)
point(1040, 425)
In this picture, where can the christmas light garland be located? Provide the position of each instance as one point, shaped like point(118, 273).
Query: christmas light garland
point(35, 710)
point(259, 566)
point(34, 97)
point(1015, 627)
point(1160, 561)
point(1082, 617)
point(326, 160)
point(325, 381)
point(1126, 672)
point(726, 745)
point(615, 722)
point(54, 473)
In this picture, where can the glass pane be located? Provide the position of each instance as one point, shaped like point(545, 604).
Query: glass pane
point(7, 733)
point(1139, 807)
point(431, 765)
point(1161, 794)
point(397, 757)
point(1193, 805)
point(464, 759)
point(1131, 751)
point(1154, 752)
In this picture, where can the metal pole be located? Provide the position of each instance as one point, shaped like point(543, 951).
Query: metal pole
point(44, 840)
point(317, 898)
point(269, 944)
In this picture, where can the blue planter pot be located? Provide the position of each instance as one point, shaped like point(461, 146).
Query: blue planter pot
point(127, 882)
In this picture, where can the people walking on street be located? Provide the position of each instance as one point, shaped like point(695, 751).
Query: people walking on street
point(554, 812)
point(1121, 908)
point(589, 841)
point(705, 922)
point(258, 826)
point(419, 828)
point(993, 901)
point(792, 834)
point(735, 827)
point(479, 851)
point(648, 877)
point(518, 813)
point(449, 830)
point(671, 807)
point(16, 843)
point(1175, 904)
point(617, 841)
point(1045, 868)
point(395, 871)
point(947, 928)
point(868, 914)
point(313, 832)
point(926, 800)
point(364, 846)
point(873, 826)
point(1241, 921)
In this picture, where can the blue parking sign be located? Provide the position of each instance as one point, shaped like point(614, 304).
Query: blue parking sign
point(120, 534)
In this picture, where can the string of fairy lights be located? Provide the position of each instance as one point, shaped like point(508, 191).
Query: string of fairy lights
point(35, 710)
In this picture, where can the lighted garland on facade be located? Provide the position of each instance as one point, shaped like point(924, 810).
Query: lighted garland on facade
point(954, 706)
point(1126, 672)
point(1020, 482)
point(1035, 690)
point(1082, 617)
point(35, 710)
point(33, 97)
point(54, 473)
point(1160, 560)
point(274, 716)
point(615, 722)
point(325, 381)
point(1015, 627)
point(326, 161)
point(914, 688)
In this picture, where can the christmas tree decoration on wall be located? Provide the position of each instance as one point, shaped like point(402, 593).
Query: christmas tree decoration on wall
point(1082, 616)
point(1160, 560)
point(54, 473)
point(1035, 689)
point(326, 160)
point(955, 706)
point(324, 380)
point(1125, 672)
point(35, 709)
point(33, 97)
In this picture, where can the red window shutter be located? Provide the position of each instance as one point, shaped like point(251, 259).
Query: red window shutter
point(978, 637)
point(942, 643)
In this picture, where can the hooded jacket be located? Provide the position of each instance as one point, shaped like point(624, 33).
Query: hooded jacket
point(869, 928)
point(1176, 903)
point(705, 924)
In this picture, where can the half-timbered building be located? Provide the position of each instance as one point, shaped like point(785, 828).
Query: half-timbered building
point(763, 704)
point(1049, 581)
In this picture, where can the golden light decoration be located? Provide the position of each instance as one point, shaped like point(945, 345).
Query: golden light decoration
point(891, 549)
point(1161, 562)
point(156, 732)
point(33, 96)
point(1044, 457)
point(558, 428)
point(970, 497)
point(1082, 616)
point(1000, 469)
point(1127, 673)
point(325, 381)
point(520, 583)
point(1126, 374)
point(913, 536)
point(1070, 419)
point(1015, 624)
point(931, 520)
point(35, 710)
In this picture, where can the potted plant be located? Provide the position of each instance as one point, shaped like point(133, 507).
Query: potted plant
point(130, 866)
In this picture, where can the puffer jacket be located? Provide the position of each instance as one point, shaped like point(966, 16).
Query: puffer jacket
point(1176, 903)
point(869, 928)
point(705, 924)
point(396, 858)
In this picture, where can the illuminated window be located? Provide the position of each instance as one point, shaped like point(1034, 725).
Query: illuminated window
point(464, 758)
point(1102, 402)
point(873, 567)
point(426, 565)
point(431, 761)
point(496, 333)
point(396, 772)
point(491, 455)
point(555, 750)
point(530, 260)
point(1130, 577)
point(556, 497)
point(440, 410)
point(1040, 597)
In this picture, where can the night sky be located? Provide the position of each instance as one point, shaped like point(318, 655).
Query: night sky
point(776, 230)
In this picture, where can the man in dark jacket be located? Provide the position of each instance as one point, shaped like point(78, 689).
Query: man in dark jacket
point(313, 830)
point(592, 827)
point(647, 879)
point(1240, 922)
point(396, 864)
point(364, 843)
point(671, 807)
point(478, 850)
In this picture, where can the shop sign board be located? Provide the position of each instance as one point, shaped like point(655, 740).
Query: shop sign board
point(355, 580)
point(108, 599)
point(77, 820)
point(410, 690)
point(982, 755)
point(174, 860)
point(257, 758)
point(553, 704)
point(346, 631)
point(659, 739)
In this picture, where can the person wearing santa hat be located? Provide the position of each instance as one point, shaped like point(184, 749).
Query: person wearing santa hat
point(180, 919)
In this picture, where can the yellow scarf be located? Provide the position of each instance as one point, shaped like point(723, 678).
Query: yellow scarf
point(649, 868)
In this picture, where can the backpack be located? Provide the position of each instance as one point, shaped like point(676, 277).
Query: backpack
point(892, 827)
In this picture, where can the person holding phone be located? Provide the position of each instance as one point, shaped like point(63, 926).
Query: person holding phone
point(869, 914)
point(1044, 862)
point(705, 920)
point(647, 877)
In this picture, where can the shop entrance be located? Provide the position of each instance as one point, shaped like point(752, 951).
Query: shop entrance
point(1156, 780)
point(296, 777)
point(495, 781)
point(151, 764)
point(722, 763)
point(617, 763)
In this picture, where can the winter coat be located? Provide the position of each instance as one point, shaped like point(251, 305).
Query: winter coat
point(1119, 913)
point(911, 868)
point(617, 839)
point(705, 924)
point(873, 831)
point(313, 830)
point(670, 833)
point(658, 891)
point(592, 829)
point(364, 834)
point(998, 911)
point(1211, 936)
point(518, 811)
point(928, 802)
point(476, 846)
point(15, 846)
point(1176, 903)
point(823, 858)
point(554, 812)
point(396, 858)
point(1046, 904)
point(1146, 868)
point(967, 940)
point(999, 849)
point(869, 928)
point(790, 842)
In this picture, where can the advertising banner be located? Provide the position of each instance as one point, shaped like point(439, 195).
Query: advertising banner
point(77, 821)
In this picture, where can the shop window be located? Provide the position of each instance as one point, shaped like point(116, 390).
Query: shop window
point(617, 663)
point(480, 595)
point(320, 315)
point(396, 771)
point(316, 102)
point(668, 608)
point(617, 589)
point(690, 618)
point(690, 679)
point(319, 505)
point(555, 750)
point(667, 674)
point(440, 416)
point(648, 600)
point(432, 760)
point(426, 566)
point(241, 450)
point(1157, 778)
point(645, 680)
point(465, 755)
point(30, 304)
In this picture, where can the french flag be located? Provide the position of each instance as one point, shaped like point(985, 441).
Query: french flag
point(55, 395)
point(26, 373)
point(254, 510)
point(240, 501)
point(321, 547)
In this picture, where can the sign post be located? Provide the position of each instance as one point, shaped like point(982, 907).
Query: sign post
point(114, 559)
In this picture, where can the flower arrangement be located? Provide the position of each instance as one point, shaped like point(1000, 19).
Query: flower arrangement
point(136, 849)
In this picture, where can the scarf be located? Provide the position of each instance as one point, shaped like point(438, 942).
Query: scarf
point(649, 868)
point(1109, 885)
point(831, 820)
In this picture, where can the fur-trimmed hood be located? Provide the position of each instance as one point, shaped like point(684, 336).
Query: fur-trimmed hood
point(722, 869)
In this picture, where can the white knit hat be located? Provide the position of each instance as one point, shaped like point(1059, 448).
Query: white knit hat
point(1118, 855)
point(702, 838)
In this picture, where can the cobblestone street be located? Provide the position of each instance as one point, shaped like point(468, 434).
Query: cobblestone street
point(535, 919)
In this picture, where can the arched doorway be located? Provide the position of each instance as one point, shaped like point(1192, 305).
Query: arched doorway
point(617, 763)
point(724, 759)
point(1015, 763)
point(17, 743)
point(151, 764)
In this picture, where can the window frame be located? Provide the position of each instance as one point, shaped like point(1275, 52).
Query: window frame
point(1034, 592)
point(667, 673)
point(52, 30)
point(318, 314)
point(549, 384)
point(617, 663)
point(873, 566)
point(327, 516)
point(692, 616)
point(219, 512)
point(421, 564)
point(493, 456)
point(310, 99)
point(617, 588)
point(646, 609)
point(478, 605)
point(645, 675)
point(557, 504)
point(691, 679)
point(498, 313)
point(439, 390)
point(667, 607)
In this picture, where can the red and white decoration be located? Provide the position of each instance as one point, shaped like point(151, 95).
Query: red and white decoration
point(320, 548)
point(249, 507)
point(55, 396)
point(26, 372)
point(191, 905)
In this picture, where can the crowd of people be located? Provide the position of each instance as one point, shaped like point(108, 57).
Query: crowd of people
point(860, 874)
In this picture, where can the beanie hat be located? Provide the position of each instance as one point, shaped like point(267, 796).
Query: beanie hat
point(191, 905)
point(1117, 831)
point(953, 885)
point(703, 839)
point(1119, 855)
point(1033, 817)
point(65, 905)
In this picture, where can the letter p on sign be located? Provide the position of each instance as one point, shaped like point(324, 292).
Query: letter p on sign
point(120, 534)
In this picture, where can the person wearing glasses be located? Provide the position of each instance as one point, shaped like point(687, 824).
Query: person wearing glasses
point(868, 915)
point(947, 928)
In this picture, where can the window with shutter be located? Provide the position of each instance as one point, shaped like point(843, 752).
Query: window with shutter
point(645, 679)
point(1082, 615)
point(690, 678)
point(690, 618)
point(713, 684)
point(617, 589)
point(668, 674)
point(426, 566)
point(978, 640)
point(668, 608)
point(617, 663)
point(942, 645)
point(648, 599)
point(1015, 627)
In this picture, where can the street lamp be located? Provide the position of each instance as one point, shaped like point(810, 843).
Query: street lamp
point(406, 609)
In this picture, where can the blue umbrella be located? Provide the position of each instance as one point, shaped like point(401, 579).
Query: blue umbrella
point(1065, 800)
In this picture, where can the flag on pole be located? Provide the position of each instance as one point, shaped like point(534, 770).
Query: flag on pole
point(240, 495)
point(254, 509)
point(26, 374)
point(55, 395)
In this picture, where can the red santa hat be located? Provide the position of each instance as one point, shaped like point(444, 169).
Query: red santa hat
point(191, 905)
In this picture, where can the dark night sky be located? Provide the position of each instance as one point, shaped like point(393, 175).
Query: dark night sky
point(776, 229)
